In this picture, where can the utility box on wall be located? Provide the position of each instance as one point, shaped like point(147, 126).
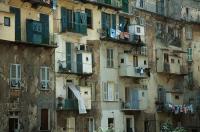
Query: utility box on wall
point(84, 62)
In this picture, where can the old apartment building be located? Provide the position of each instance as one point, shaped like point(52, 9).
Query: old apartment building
point(26, 66)
point(93, 65)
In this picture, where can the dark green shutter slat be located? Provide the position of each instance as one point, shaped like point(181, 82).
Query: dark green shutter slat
point(45, 32)
point(17, 12)
point(84, 23)
point(69, 20)
point(68, 56)
point(79, 63)
point(77, 22)
point(113, 21)
point(63, 19)
point(125, 7)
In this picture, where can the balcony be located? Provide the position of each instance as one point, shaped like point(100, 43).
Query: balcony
point(82, 66)
point(113, 4)
point(131, 36)
point(174, 69)
point(157, 7)
point(37, 33)
point(67, 104)
point(77, 95)
point(136, 100)
point(136, 66)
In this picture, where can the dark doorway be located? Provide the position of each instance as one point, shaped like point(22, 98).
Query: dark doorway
point(44, 119)
point(129, 125)
point(13, 124)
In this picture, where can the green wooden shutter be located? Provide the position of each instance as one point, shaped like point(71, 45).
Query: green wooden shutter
point(77, 22)
point(189, 52)
point(125, 7)
point(45, 30)
point(113, 21)
point(83, 25)
point(68, 56)
point(105, 91)
point(69, 20)
point(63, 19)
point(17, 13)
point(103, 20)
point(107, 2)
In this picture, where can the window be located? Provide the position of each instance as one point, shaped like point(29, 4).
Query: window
point(110, 91)
point(172, 60)
point(108, 21)
point(110, 122)
point(176, 97)
point(89, 18)
point(71, 124)
point(110, 61)
point(15, 75)
point(189, 54)
point(122, 60)
point(44, 77)
point(135, 61)
point(188, 32)
point(6, 21)
point(143, 50)
point(73, 21)
point(69, 56)
point(89, 125)
point(44, 119)
point(124, 23)
point(145, 62)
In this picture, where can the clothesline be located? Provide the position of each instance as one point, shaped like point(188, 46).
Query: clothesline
point(176, 109)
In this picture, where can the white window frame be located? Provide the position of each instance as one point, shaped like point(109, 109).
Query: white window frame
point(44, 81)
point(188, 33)
point(110, 56)
point(16, 79)
point(68, 123)
point(144, 50)
point(110, 94)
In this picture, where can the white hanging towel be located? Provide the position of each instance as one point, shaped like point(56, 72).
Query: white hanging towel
point(81, 104)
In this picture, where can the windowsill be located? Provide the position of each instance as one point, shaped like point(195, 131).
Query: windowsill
point(44, 89)
point(107, 101)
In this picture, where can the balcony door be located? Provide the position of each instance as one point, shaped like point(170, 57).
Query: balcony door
point(129, 124)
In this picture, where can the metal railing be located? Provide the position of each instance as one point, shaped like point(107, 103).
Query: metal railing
point(113, 3)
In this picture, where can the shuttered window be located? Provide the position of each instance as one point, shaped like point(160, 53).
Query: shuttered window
point(189, 54)
point(188, 32)
point(45, 30)
point(71, 124)
point(17, 13)
point(110, 91)
point(125, 5)
point(68, 56)
point(110, 61)
point(108, 21)
point(44, 77)
point(73, 21)
point(89, 18)
point(15, 75)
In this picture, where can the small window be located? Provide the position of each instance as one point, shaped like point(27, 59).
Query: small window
point(176, 97)
point(110, 60)
point(145, 62)
point(110, 122)
point(178, 61)
point(89, 17)
point(122, 60)
point(142, 94)
point(87, 59)
point(44, 77)
point(15, 75)
point(172, 60)
point(135, 61)
point(6, 21)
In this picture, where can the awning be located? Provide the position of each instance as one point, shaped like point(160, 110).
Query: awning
point(81, 104)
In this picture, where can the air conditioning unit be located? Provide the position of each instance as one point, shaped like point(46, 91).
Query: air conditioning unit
point(136, 29)
point(44, 84)
point(15, 83)
point(82, 47)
